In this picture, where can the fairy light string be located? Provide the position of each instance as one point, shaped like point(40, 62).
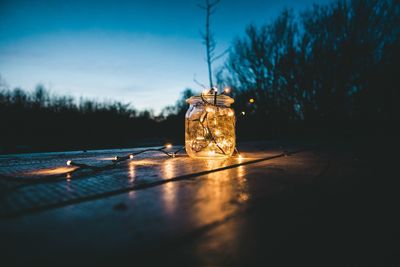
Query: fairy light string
point(129, 156)
point(94, 168)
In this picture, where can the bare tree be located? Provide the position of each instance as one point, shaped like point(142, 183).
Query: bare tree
point(208, 38)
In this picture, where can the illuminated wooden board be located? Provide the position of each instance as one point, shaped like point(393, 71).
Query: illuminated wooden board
point(214, 219)
point(145, 170)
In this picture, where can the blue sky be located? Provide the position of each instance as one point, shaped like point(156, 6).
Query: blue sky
point(142, 52)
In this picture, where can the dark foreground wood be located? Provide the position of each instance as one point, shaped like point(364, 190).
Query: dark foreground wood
point(326, 205)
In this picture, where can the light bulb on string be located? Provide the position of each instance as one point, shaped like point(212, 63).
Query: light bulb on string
point(168, 145)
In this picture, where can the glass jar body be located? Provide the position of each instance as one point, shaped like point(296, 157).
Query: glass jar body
point(209, 130)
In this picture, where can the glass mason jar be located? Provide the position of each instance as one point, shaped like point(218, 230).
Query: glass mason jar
point(209, 128)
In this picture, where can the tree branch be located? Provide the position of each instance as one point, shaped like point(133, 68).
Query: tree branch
point(197, 82)
point(208, 38)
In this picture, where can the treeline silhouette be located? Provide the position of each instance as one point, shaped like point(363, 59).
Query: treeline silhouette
point(328, 70)
point(334, 66)
point(38, 121)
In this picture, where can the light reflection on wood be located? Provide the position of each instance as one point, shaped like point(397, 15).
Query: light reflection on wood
point(169, 190)
point(221, 192)
point(146, 162)
point(220, 195)
point(105, 158)
point(243, 194)
point(51, 171)
point(132, 172)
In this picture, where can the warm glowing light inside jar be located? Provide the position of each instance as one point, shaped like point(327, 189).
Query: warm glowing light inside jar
point(209, 127)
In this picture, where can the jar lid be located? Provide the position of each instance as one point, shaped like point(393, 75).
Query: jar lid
point(222, 100)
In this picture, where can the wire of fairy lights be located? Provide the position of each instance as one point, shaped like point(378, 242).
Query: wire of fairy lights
point(95, 168)
point(129, 156)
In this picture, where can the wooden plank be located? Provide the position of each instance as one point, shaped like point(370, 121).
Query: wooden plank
point(144, 224)
point(143, 171)
point(324, 207)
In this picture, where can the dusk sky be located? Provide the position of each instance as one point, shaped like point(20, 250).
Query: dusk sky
point(142, 52)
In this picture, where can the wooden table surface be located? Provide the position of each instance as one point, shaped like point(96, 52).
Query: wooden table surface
point(270, 206)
